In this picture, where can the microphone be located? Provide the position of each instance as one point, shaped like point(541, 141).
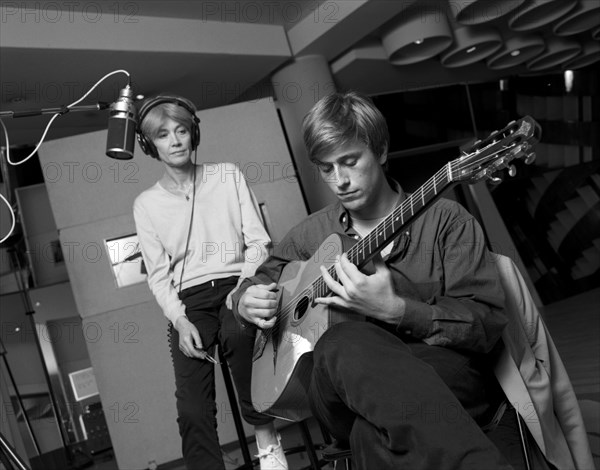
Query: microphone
point(122, 121)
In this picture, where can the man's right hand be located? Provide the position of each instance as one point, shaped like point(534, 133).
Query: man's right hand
point(190, 343)
point(258, 305)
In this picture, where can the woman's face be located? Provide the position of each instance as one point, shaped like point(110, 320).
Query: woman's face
point(173, 143)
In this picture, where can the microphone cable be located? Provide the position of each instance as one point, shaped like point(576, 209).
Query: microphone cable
point(66, 109)
point(187, 242)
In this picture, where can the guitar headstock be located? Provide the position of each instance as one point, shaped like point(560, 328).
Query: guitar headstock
point(496, 152)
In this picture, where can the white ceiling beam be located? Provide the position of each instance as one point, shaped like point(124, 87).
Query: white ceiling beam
point(336, 25)
point(100, 30)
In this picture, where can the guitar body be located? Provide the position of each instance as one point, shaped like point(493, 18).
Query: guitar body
point(281, 375)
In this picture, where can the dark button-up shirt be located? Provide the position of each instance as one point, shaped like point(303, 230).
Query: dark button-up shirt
point(440, 266)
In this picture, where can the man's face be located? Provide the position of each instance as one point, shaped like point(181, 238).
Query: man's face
point(355, 176)
point(173, 142)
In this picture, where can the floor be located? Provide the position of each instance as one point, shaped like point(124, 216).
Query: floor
point(233, 458)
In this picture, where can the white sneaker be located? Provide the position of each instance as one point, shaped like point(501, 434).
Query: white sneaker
point(273, 457)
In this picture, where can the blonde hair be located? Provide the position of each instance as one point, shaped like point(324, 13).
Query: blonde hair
point(340, 118)
point(156, 116)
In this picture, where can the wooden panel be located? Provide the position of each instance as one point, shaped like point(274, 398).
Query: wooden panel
point(281, 205)
point(41, 236)
point(132, 365)
point(85, 185)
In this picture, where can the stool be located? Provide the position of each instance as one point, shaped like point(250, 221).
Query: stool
point(249, 463)
point(336, 452)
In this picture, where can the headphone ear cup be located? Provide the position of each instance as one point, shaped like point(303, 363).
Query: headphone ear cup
point(147, 147)
point(195, 133)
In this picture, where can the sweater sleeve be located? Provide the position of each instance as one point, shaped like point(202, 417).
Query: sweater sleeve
point(257, 243)
point(156, 259)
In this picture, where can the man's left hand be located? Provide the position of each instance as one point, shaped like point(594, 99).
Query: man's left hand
point(370, 295)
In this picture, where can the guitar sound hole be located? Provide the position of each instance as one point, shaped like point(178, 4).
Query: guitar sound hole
point(301, 308)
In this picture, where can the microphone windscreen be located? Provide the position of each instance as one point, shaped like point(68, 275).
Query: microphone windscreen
point(122, 120)
point(120, 140)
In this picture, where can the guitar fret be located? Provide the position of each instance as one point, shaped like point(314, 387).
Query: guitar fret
point(423, 195)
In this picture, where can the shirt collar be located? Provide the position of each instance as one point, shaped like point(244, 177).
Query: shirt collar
point(344, 216)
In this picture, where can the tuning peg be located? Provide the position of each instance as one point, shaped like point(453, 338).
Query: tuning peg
point(512, 170)
point(530, 158)
point(495, 179)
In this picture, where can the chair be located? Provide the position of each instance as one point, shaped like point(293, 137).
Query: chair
point(530, 373)
point(309, 447)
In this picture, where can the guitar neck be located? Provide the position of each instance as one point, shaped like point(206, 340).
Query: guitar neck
point(385, 232)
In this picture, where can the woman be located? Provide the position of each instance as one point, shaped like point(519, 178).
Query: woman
point(200, 235)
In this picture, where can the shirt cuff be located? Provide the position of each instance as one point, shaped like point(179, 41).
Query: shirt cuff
point(417, 319)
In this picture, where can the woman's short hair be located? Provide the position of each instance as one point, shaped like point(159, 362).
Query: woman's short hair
point(341, 118)
point(156, 116)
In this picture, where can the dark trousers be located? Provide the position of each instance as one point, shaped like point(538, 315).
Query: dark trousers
point(400, 405)
point(195, 378)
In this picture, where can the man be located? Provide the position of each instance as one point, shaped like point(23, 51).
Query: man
point(407, 387)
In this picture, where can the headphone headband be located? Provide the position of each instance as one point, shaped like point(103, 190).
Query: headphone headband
point(146, 144)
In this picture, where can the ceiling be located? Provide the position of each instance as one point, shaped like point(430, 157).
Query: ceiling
point(215, 53)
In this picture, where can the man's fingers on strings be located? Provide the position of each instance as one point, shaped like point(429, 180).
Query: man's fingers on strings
point(333, 285)
point(268, 287)
point(332, 301)
point(265, 323)
point(350, 272)
point(258, 293)
point(379, 264)
point(258, 304)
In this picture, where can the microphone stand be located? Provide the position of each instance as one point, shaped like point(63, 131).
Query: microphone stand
point(62, 110)
point(53, 400)
point(5, 447)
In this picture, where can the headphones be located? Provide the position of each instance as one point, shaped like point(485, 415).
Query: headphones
point(146, 144)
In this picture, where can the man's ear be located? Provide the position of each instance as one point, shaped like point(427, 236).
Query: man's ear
point(383, 158)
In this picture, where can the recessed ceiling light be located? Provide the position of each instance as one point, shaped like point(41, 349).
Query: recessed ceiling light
point(471, 49)
point(419, 41)
point(515, 53)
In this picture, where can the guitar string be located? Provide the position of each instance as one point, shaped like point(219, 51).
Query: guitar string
point(290, 307)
